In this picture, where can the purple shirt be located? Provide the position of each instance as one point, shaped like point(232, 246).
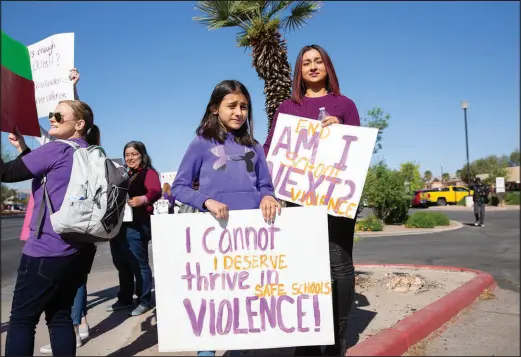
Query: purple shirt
point(53, 159)
point(338, 106)
point(230, 173)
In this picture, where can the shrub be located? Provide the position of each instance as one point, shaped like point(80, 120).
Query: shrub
point(494, 200)
point(427, 220)
point(400, 212)
point(385, 189)
point(369, 224)
point(512, 198)
point(440, 219)
point(461, 202)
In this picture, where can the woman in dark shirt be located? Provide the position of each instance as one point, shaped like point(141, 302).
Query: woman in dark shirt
point(316, 86)
point(130, 248)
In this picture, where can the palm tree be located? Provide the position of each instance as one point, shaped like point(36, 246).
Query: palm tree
point(445, 177)
point(427, 176)
point(260, 27)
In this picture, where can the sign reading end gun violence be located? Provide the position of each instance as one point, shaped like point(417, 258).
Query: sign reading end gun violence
point(314, 166)
point(242, 284)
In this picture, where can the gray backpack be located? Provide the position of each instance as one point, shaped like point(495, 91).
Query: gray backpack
point(94, 204)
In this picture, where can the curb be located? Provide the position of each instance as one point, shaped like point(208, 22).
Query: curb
point(397, 339)
point(470, 208)
point(410, 233)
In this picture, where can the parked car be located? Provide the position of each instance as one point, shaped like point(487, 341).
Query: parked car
point(448, 195)
point(419, 199)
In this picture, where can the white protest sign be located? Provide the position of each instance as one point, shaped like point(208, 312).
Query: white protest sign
point(51, 61)
point(128, 215)
point(242, 284)
point(500, 184)
point(161, 206)
point(311, 165)
point(167, 177)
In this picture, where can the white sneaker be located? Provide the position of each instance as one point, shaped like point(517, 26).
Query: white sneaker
point(482, 226)
point(84, 331)
point(48, 350)
point(476, 224)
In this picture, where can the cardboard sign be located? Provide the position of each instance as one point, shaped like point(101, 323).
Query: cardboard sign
point(242, 284)
point(51, 61)
point(314, 166)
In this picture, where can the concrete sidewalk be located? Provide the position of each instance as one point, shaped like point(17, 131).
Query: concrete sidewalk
point(116, 334)
point(489, 327)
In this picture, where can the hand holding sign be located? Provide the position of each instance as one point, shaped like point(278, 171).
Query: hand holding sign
point(17, 140)
point(314, 164)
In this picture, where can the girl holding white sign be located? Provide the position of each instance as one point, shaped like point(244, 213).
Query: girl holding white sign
point(227, 160)
point(315, 88)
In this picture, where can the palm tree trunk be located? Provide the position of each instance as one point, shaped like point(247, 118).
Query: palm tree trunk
point(270, 60)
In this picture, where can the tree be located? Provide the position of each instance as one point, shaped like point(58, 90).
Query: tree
point(6, 192)
point(514, 158)
point(411, 174)
point(427, 176)
point(376, 119)
point(384, 189)
point(445, 177)
point(260, 30)
point(494, 166)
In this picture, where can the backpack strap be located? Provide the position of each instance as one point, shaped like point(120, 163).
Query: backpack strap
point(70, 143)
point(41, 211)
point(45, 194)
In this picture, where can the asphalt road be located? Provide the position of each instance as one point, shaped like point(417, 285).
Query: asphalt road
point(494, 249)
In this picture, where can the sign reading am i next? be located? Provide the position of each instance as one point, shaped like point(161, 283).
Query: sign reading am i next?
point(242, 284)
point(313, 166)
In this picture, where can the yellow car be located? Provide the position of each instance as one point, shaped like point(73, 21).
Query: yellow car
point(447, 195)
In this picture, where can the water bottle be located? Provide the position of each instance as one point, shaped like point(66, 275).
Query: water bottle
point(322, 114)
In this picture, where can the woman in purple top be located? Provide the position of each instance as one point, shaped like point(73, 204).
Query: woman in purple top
point(315, 86)
point(51, 269)
point(227, 160)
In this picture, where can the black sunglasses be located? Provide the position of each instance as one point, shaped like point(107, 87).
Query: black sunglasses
point(56, 116)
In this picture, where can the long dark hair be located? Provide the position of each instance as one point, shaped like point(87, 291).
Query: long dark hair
point(299, 87)
point(212, 129)
point(146, 161)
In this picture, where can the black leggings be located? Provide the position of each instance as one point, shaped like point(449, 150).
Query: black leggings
point(341, 233)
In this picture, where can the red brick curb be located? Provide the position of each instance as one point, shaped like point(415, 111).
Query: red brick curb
point(395, 340)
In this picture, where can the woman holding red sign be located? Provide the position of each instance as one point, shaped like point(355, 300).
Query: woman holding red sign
point(315, 90)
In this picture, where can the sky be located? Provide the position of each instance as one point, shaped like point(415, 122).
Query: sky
point(147, 70)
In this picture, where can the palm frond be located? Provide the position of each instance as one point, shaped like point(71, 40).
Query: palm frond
point(300, 13)
point(275, 6)
point(218, 13)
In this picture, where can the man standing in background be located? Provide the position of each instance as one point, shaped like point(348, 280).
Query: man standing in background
point(481, 192)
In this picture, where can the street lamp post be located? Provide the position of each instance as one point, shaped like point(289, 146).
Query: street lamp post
point(465, 106)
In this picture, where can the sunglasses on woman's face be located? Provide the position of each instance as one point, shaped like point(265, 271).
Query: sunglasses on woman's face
point(56, 116)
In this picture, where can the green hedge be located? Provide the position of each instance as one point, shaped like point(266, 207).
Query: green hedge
point(369, 224)
point(512, 198)
point(427, 220)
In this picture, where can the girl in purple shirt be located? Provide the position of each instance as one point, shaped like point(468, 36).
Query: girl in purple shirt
point(51, 269)
point(315, 86)
point(226, 161)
